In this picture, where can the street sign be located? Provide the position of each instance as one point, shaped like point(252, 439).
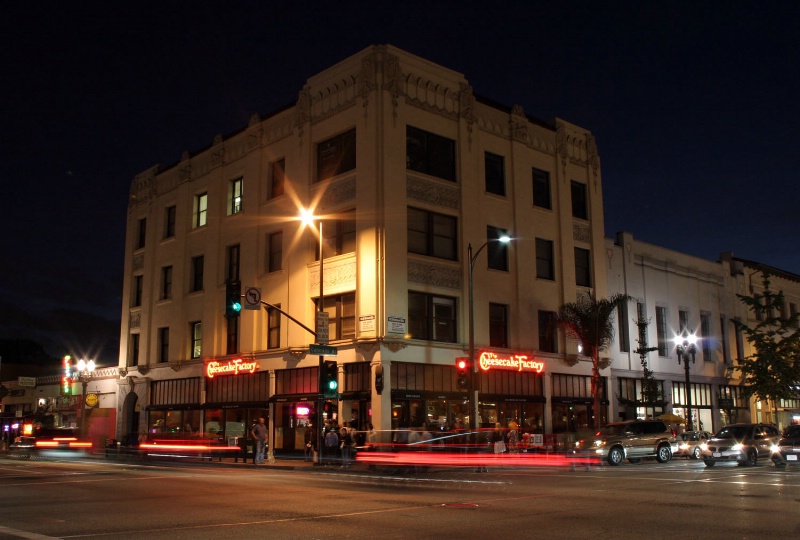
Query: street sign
point(322, 328)
point(322, 350)
point(252, 298)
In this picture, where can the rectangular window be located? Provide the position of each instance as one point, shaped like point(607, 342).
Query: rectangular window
point(541, 189)
point(141, 234)
point(430, 154)
point(341, 312)
point(274, 328)
point(196, 329)
point(235, 194)
point(170, 214)
point(723, 339)
point(661, 331)
point(431, 234)
point(548, 331)
point(583, 268)
point(494, 170)
point(580, 206)
point(624, 328)
point(278, 178)
point(163, 344)
point(232, 336)
point(498, 325)
point(138, 285)
point(497, 251)
point(339, 237)
point(336, 155)
point(232, 257)
point(166, 283)
point(545, 268)
point(431, 317)
point(705, 336)
point(196, 283)
point(683, 322)
point(275, 251)
point(739, 342)
point(134, 361)
point(200, 210)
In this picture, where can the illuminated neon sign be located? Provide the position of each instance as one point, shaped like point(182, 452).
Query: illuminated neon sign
point(514, 361)
point(231, 367)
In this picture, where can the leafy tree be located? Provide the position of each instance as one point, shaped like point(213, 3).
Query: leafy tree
point(590, 322)
point(772, 372)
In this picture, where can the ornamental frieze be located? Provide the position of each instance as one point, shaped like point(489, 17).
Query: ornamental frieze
point(432, 192)
point(435, 275)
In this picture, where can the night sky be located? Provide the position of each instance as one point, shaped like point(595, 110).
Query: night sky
point(694, 108)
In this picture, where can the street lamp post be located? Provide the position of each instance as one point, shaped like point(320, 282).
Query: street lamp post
point(85, 370)
point(686, 347)
point(475, 378)
point(308, 219)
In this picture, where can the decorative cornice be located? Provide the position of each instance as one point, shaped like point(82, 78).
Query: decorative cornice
point(432, 274)
point(297, 354)
point(432, 192)
point(518, 125)
point(392, 80)
point(571, 360)
point(338, 192)
point(466, 105)
point(302, 112)
point(581, 231)
point(394, 346)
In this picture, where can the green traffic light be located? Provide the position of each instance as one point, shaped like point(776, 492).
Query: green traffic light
point(236, 306)
point(333, 385)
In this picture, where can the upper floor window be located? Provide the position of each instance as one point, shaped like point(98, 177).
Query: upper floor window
point(232, 336)
point(196, 330)
point(705, 336)
point(339, 237)
point(495, 172)
point(580, 202)
point(541, 189)
point(336, 155)
point(430, 154)
point(232, 256)
point(273, 328)
point(200, 210)
point(141, 233)
point(196, 283)
point(583, 267)
point(661, 331)
point(275, 251)
point(134, 348)
point(431, 234)
point(431, 317)
point(497, 252)
point(683, 322)
point(341, 311)
point(623, 327)
point(548, 331)
point(498, 325)
point(163, 344)
point(166, 283)
point(235, 194)
point(138, 286)
point(169, 221)
point(277, 178)
point(544, 259)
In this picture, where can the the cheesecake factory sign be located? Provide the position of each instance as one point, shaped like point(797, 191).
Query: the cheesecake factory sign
point(231, 367)
point(510, 361)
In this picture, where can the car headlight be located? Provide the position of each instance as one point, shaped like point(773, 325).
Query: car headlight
point(704, 447)
point(737, 447)
point(775, 448)
point(683, 446)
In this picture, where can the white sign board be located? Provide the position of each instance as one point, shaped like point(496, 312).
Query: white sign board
point(27, 382)
point(322, 328)
point(396, 325)
point(366, 323)
point(252, 298)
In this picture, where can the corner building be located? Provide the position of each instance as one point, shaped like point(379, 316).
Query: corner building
point(406, 167)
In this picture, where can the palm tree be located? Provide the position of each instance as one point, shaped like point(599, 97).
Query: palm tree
point(589, 322)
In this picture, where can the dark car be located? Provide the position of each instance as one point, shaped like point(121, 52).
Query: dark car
point(743, 444)
point(788, 447)
point(631, 440)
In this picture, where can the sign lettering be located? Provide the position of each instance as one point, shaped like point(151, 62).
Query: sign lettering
point(514, 361)
point(231, 367)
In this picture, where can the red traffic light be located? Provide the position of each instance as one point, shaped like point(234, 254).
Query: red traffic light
point(462, 363)
point(462, 372)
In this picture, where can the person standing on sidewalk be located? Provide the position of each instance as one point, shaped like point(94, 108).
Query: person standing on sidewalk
point(259, 432)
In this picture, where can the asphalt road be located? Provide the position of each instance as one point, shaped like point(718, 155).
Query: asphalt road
point(680, 499)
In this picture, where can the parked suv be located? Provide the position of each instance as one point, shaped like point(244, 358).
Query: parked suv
point(788, 447)
point(743, 443)
point(631, 440)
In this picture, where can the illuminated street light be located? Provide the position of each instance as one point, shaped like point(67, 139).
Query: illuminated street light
point(85, 370)
point(686, 347)
point(475, 386)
